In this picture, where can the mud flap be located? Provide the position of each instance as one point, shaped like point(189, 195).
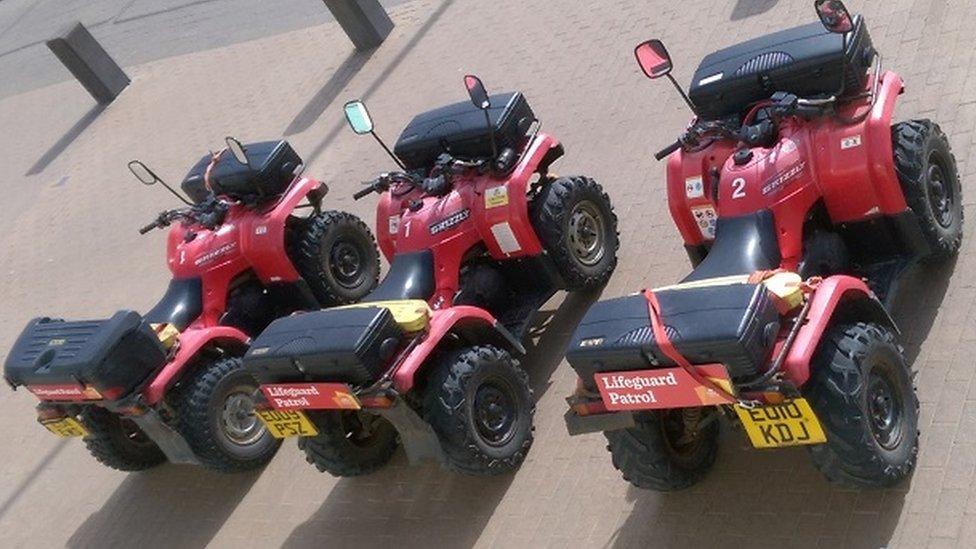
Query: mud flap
point(580, 425)
point(168, 439)
point(417, 436)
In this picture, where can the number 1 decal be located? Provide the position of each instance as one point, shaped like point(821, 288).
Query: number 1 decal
point(739, 188)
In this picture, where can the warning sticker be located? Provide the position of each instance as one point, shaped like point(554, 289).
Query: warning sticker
point(496, 197)
point(705, 218)
point(394, 222)
point(694, 187)
point(505, 237)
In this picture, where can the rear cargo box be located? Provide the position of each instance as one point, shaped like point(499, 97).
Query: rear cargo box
point(273, 165)
point(349, 345)
point(731, 324)
point(461, 130)
point(807, 61)
point(115, 356)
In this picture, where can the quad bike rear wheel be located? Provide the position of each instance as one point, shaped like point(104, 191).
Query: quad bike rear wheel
point(215, 408)
point(336, 254)
point(862, 391)
point(927, 172)
point(666, 450)
point(578, 228)
point(479, 403)
point(118, 442)
point(349, 443)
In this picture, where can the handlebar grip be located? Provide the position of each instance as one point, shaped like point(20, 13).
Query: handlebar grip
point(362, 193)
point(148, 227)
point(668, 150)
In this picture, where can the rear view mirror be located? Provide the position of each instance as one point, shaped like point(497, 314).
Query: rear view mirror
point(834, 16)
point(477, 92)
point(236, 149)
point(358, 117)
point(143, 173)
point(653, 58)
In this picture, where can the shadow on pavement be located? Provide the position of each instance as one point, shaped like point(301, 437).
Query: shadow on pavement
point(29, 478)
point(745, 9)
point(325, 96)
point(917, 303)
point(546, 341)
point(397, 59)
point(187, 505)
point(66, 140)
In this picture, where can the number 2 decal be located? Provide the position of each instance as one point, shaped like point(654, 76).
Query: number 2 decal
point(738, 188)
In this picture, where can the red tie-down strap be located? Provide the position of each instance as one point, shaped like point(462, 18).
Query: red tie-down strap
point(664, 343)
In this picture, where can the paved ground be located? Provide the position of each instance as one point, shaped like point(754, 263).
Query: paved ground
point(68, 246)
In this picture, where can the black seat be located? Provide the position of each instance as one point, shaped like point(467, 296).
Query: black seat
point(411, 276)
point(743, 245)
point(181, 304)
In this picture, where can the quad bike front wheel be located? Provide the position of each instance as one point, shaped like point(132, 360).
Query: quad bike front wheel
point(929, 179)
point(336, 254)
point(118, 442)
point(863, 393)
point(578, 228)
point(479, 403)
point(349, 443)
point(215, 408)
point(666, 450)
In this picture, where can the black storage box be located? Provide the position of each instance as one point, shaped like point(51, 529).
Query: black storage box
point(735, 325)
point(273, 166)
point(807, 61)
point(349, 345)
point(461, 130)
point(115, 356)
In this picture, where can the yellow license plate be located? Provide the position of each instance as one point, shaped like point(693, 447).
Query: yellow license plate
point(792, 423)
point(65, 427)
point(284, 424)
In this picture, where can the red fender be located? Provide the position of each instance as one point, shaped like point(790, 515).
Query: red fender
point(442, 322)
point(831, 294)
point(191, 341)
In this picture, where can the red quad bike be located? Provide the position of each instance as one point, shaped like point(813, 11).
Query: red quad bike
point(479, 234)
point(799, 203)
point(169, 385)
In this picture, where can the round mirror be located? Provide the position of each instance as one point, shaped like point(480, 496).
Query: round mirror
point(358, 117)
point(143, 173)
point(477, 92)
point(653, 58)
point(834, 16)
point(236, 149)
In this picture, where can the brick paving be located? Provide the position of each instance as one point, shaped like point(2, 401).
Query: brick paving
point(68, 246)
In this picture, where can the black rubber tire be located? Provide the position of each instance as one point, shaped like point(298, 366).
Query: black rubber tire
point(916, 144)
point(552, 214)
point(200, 406)
point(336, 450)
point(838, 392)
point(449, 406)
point(314, 240)
point(647, 459)
point(119, 443)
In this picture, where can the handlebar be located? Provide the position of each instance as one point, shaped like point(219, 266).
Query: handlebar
point(149, 227)
point(665, 152)
point(365, 192)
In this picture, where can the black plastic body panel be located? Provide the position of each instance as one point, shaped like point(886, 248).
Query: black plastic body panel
point(743, 245)
point(807, 61)
point(180, 305)
point(411, 276)
point(461, 130)
point(273, 166)
point(115, 355)
point(732, 324)
point(344, 345)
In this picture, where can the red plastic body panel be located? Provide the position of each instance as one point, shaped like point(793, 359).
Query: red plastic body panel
point(828, 296)
point(848, 167)
point(479, 209)
point(248, 240)
point(441, 323)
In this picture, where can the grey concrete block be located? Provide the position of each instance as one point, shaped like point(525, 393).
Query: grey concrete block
point(89, 63)
point(365, 21)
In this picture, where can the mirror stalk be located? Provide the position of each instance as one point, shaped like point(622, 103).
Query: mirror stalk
point(491, 136)
point(176, 194)
point(388, 151)
point(683, 94)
